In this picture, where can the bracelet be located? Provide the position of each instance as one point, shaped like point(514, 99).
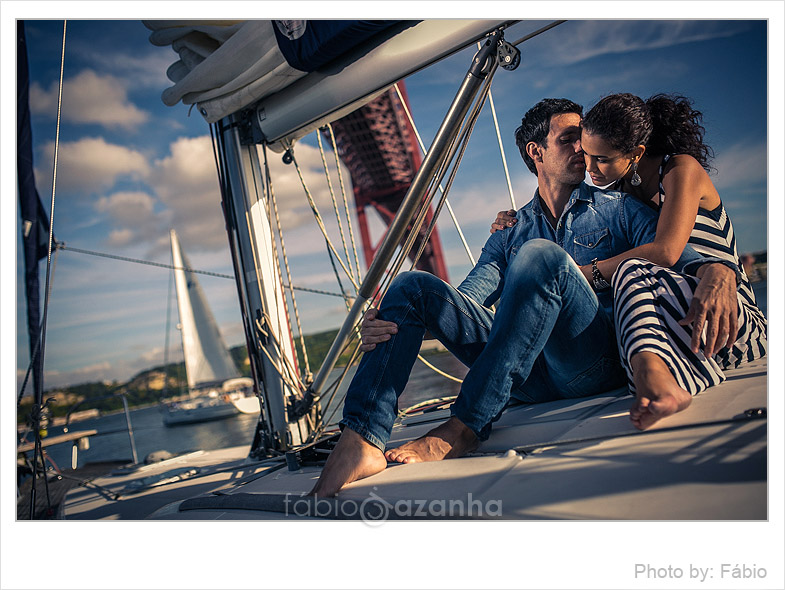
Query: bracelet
point(599, 282)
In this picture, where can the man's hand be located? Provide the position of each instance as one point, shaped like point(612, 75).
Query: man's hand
point(714, 304)
point(374, 331)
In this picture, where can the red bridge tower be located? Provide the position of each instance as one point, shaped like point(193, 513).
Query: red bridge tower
point(378, 146)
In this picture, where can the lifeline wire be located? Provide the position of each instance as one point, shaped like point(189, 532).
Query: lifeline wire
point(61, 246)
point(424, 151)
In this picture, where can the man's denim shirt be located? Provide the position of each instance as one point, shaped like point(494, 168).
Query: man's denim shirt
point(595, 224)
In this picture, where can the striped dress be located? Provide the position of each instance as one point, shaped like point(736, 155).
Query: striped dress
point(649, 301)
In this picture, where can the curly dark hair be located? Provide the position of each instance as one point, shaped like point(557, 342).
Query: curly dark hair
point(677, 129)
point(536, 124)
point(665, 124)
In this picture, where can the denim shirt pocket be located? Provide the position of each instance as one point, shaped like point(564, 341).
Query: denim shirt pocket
point(594, 244)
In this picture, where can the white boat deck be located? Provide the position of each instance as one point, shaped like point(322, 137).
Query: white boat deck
point(571, 459)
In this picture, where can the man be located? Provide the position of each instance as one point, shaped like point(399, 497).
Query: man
point(551, 336)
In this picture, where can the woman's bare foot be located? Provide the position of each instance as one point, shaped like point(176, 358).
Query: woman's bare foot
point(446, 441)
point(352, 458)
point(657, 393)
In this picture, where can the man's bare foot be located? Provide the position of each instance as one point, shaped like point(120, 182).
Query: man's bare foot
point(352, 458)
point(657, 393)
point(446, 441)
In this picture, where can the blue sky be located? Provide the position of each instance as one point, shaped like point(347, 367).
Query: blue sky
point(129, 167)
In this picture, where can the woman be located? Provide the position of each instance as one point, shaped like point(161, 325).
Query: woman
point(654, 150)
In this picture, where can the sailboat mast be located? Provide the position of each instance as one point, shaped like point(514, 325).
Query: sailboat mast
point(268, 334)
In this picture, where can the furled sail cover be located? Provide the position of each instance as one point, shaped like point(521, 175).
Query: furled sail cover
point(225, 66)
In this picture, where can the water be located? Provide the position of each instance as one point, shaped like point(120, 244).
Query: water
point(761, 296)
point(112, 442)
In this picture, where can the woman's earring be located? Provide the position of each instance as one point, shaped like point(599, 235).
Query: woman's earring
point(636, 179)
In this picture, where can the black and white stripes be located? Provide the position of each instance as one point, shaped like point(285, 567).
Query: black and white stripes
point(648, 304)
point(650, 300)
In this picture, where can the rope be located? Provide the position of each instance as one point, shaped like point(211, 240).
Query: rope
point(319, 221)
point(335, 203)
point(219, 145)
point(290, 376)
point(290, 379)
point(269, 188)
point(436, 369)
point(345, 203)
point(424, 151)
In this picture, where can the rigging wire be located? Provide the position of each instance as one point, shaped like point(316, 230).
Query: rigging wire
point(335, 203)
point(463, 142)
point(290, 379)
point(457, 146)
point(424, 151)
point(501, 146)
point(271, 195)
point(319, 220)
point(345, 203)
point(62, 246)
point(501, 151)
point(165, 390)
point(39, 451)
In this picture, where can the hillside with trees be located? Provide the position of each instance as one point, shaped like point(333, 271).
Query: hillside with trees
point(156, 384)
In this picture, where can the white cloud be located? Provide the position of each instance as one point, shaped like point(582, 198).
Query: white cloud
point(120, 237)
point(89, 98)
point(134, 219)
point(146, 71)
point(590, 39)
point(90, 165)
point(127, 207)
point(186, 182)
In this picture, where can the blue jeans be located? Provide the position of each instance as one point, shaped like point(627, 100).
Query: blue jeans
point(549, 339)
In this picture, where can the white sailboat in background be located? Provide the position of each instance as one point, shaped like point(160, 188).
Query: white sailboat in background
point(216, 388)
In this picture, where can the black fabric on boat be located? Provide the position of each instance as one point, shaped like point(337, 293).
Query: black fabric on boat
point(309, 44)
point(35, 222)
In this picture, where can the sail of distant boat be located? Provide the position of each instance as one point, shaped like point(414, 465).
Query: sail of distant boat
point(215, 386)
point(207, 359)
